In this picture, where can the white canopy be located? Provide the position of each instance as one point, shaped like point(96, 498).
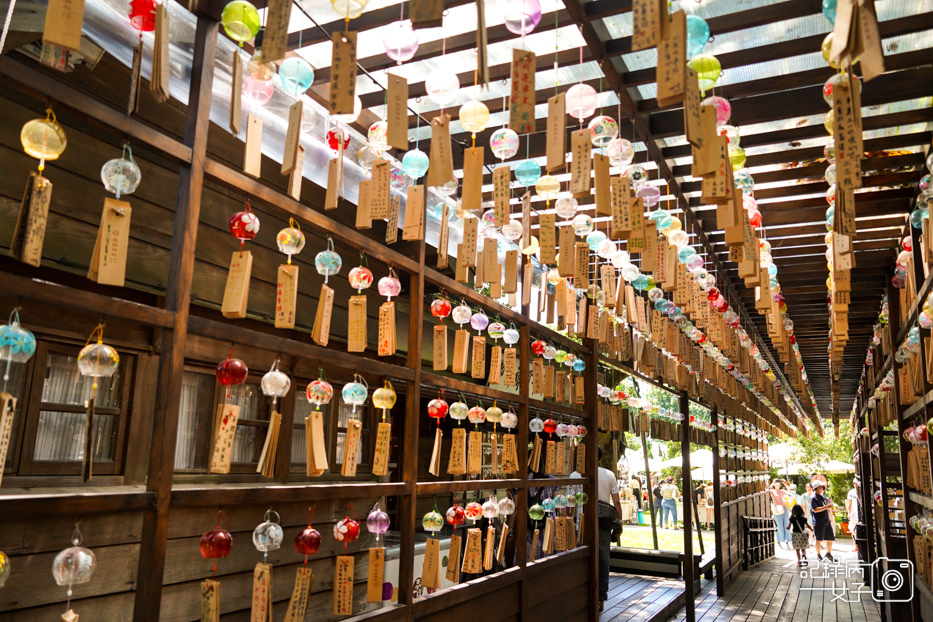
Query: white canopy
point(830, 467)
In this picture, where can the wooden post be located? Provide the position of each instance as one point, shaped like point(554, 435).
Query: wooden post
point(408, 505)
point(177, 299)
point(689, 588)
point(591, 535)
point(717, 512)
point(654, 525)
point(696, 517)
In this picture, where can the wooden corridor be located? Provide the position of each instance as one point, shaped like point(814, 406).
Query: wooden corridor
point(772, 591)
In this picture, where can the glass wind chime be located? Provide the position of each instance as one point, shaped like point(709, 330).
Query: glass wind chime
point(215, 544)
point(72, 566)
point(319, 393)
point(95, 360)
point(17, 345)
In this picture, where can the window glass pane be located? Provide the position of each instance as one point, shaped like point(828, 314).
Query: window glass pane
point(195, 390)
point(65, 385)
point(247, 443)
point(247, 397)
point(341, 439)
point(302, 410)
point(14, 386)
point(60, 437)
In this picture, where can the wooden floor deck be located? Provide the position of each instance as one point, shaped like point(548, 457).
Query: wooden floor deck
point(773, 591)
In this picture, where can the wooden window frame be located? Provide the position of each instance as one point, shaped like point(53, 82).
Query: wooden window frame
point(27, 432)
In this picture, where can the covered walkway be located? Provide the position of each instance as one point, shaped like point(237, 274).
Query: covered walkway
point(773, 591)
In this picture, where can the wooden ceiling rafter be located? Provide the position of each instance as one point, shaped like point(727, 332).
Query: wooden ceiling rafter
point(643, 130)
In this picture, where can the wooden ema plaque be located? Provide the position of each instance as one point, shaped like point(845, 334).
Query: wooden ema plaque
point(431, 569)
point(478, 367)
point(522, 100)
point(63, 19)
point(315, 448)
point(511, 368)
point(620, 191)
point(388, 343)
point(108, 261)
point(537, 376)
point(297, 174)
point(467, 255)
point(356, 336)
point(442, 165)
point(266, 464)
point(343, 586)
point(472, 184)
point(510, 286)
point(509, 455)
point(547, 238)
point(434, 467)
point(453, 559)
point(561, 537)
point(602, 182)
point(648, 17)
point(550, 460)
point(261, 610)
point(222, 438)
point(236, 291)
point(581, 163)
point(286, 296)
point(456, 463)
point(671, 70)
point(473, 553)
point(501, 177)
point(475, 455)
point(500, 551)
point(397, 112)
point(560, 457)
point(534, 458)
point(440, 348)
point(320, 333)
point(377, 556)
point(581, 266)
point(413, 227)
point(578, 392)
point(495, 365)
point(395, 205)
point(548, 381)
point(29, 234)
point(252, 151)
point(581, 459)
point(566, 261)
point(461, 351)
point(343, 69)
point(298, 605)
point(351, 446)
point(533, 554)
point(547, 547)
point(556, 133)
point(381, 454)
point(489, 552)
point(7, 412)
point(210, 601)
point(290, 155)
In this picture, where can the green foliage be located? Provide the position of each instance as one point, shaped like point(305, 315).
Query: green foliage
point(818, 450)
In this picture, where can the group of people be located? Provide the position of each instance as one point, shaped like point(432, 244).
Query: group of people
point(666, 493)
point(809, 517)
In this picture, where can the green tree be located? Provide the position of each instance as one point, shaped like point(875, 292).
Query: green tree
point(816, 452)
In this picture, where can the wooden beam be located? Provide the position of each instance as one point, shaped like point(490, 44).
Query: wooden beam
point(787, 49)
point(177, 300)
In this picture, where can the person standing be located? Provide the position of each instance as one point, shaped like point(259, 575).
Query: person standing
point(804, 500)
point(669, 495)
point(636, 489)
point(779, 514)
point(710, 504)
point(656, 491)
point(800, 530)
point(823, 526)
point(856, 520)
point(610, 510)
